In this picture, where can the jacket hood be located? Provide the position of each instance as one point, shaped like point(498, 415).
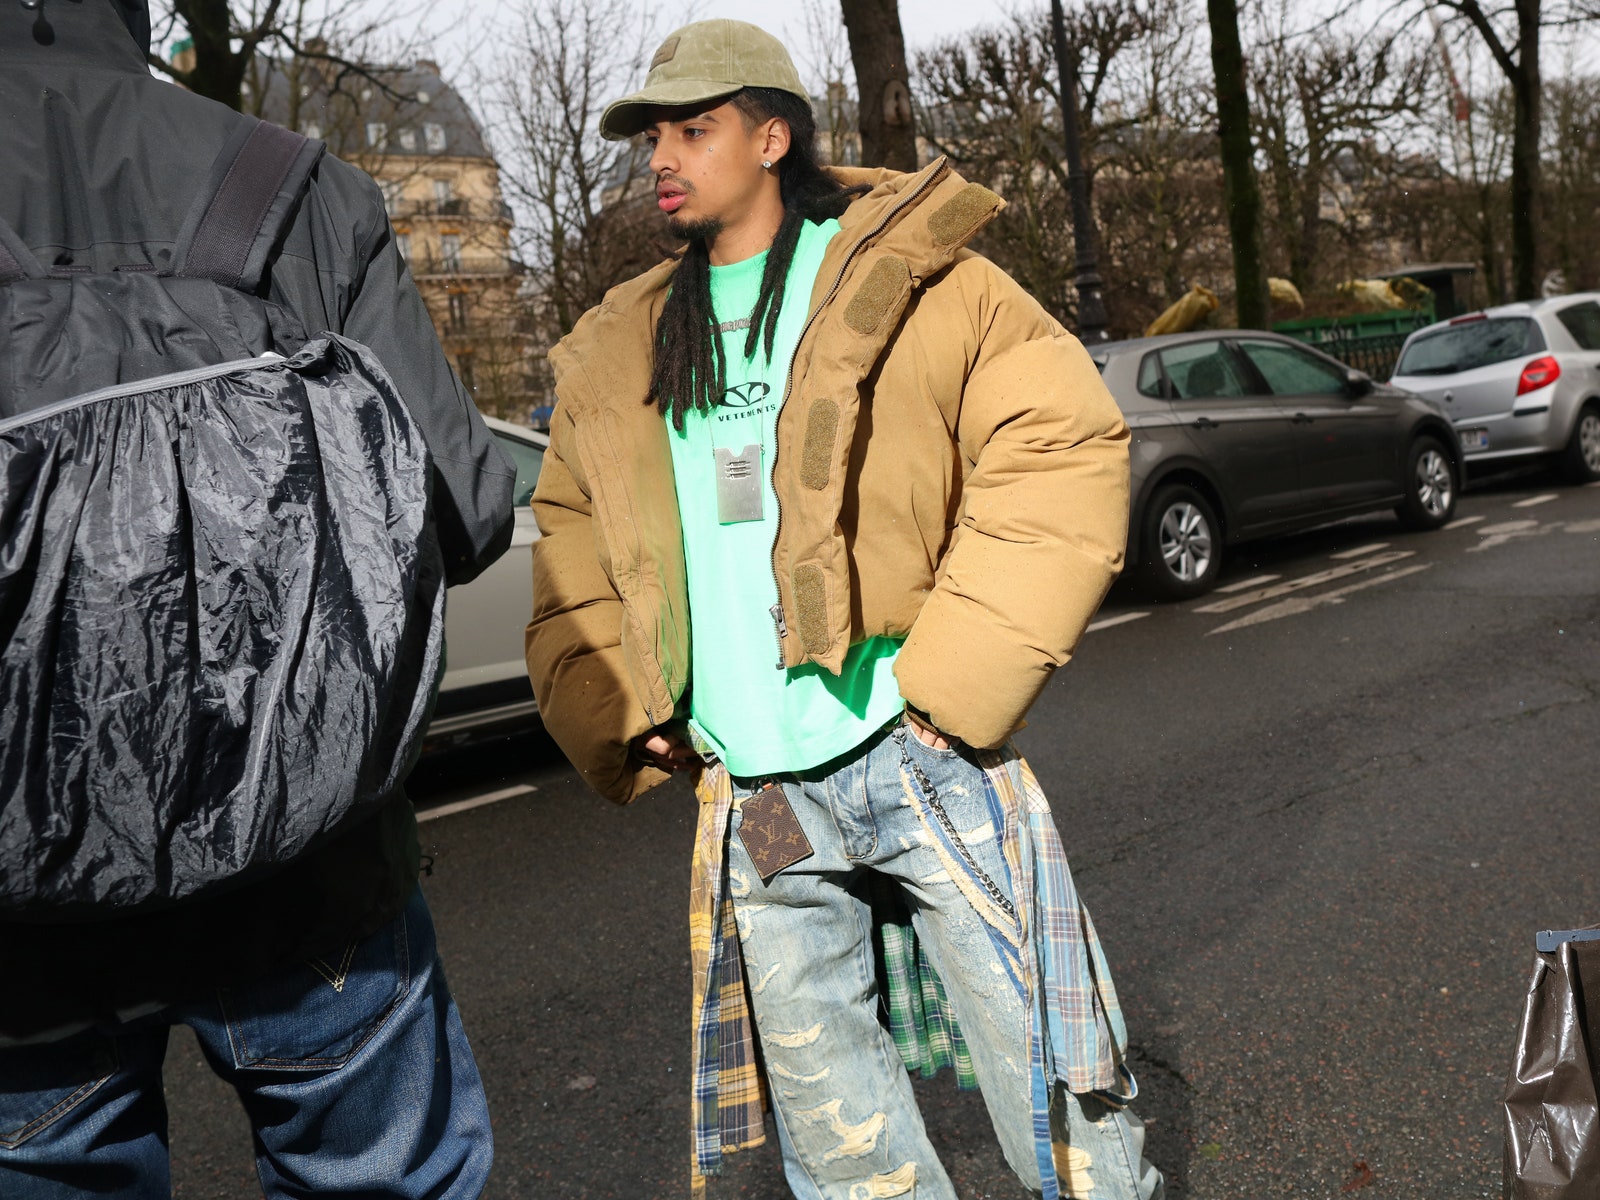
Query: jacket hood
point(101, 32)
point(922, 218)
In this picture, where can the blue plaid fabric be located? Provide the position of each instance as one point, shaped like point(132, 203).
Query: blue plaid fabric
point(1077, 1034)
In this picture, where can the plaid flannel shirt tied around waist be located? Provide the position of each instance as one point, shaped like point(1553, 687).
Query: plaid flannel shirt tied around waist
point(1076, 1031)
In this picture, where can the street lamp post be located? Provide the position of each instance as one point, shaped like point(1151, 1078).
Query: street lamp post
point(1091, 304)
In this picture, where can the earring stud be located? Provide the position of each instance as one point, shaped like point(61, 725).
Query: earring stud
point(766, 165)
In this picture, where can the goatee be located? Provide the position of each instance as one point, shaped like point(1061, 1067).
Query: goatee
point(703, 230)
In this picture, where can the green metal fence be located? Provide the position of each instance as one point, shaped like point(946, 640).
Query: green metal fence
point(1369, 342)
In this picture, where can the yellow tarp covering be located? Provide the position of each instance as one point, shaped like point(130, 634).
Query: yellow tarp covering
point(1192, 308)
point(1285, 293)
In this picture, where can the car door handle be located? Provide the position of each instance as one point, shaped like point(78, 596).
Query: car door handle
point(1301, 419)
point(1206, 423)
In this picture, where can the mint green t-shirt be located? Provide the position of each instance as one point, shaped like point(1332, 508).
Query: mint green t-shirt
point(761, 718)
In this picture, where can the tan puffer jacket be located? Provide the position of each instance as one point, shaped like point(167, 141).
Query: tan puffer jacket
point(950, 469)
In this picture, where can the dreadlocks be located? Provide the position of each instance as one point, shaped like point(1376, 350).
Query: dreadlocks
point(690, 371)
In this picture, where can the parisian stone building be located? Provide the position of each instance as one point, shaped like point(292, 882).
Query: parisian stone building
point(415, 134)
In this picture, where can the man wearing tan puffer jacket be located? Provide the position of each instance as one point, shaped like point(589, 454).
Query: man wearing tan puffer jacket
point(828, 499)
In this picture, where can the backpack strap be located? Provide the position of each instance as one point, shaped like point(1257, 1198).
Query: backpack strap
point(16, 260)
point(254, 187)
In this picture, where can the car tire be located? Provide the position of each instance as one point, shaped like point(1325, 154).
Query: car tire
point(1581, 459)
point(1431, 486)
point(1182, 544)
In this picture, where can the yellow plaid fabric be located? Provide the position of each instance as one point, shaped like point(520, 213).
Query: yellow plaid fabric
point(1076, 1031)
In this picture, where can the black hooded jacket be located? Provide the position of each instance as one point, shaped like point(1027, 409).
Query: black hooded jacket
point(101, 162)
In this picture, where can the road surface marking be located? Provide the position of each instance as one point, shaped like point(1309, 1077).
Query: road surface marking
point(1507, 527)
point(1296, 605)
point(1120, 619)
point(1461, 522)
point(1583, 526)
point(1360, 550)
point(1248, 583)
point(445, 810)
point(1509, 531)
point(1532, 500)
point(1305, 581)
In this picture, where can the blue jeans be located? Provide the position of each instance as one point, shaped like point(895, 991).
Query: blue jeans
point(847, 1119)
point(354, 1071)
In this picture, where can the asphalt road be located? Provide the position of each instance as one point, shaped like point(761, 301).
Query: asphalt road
point(1317, 826)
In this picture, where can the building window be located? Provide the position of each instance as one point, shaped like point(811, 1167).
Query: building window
point(391, 196)
point(464, 369)
point(377, 134)
point(402, 242)
point(408, 140)
point(450, 251)
point(435, 136)
point(460, 304)
point(443, 196)
point(313, 129)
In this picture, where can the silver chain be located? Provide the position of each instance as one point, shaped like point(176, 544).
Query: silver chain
point(931, 795)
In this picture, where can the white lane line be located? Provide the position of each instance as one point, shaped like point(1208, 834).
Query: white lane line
point(1120, 619)
point(1305, 581)
point(1303, 604)
point(1463, 522)
point(1583, 526)
point(1532, 500)
point(1248, 583)
point(1360, 550)
point(1508, 527)
point(445, 810)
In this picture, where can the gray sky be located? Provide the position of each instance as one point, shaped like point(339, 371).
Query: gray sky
point(923, 21)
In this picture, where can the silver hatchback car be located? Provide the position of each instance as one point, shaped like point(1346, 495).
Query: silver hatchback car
point(1517, 381)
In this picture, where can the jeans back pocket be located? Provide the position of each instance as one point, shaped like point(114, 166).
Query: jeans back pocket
point(317, 1013)
point(41, 1084)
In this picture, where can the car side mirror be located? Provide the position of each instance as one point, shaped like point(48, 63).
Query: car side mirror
point(1357, 383)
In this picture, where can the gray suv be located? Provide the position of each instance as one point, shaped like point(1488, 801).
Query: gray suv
point(1517, 381)
point(1239, 434)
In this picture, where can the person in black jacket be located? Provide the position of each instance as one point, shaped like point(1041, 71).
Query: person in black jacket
point(316, 991)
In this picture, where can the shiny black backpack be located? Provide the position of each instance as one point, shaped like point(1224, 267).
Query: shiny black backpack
point(221, 596)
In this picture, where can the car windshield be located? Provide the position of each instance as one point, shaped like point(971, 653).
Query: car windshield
point(1469, 346)
point(528, 459)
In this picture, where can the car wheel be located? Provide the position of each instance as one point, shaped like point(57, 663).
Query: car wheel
point(1430, 486)
point(1581, 458)
point(1182, 542)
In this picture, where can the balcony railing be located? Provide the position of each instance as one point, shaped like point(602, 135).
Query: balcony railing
point(471, 210)
point(465, 264)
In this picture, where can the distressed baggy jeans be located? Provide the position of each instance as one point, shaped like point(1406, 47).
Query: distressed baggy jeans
point(847, 1119)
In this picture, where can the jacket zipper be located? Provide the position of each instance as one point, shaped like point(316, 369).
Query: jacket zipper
point(778, 620)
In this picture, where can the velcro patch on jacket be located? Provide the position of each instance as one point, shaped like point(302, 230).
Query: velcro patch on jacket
point(816, 459)
point(878, 293)
point(959, 217)
point(811, 608)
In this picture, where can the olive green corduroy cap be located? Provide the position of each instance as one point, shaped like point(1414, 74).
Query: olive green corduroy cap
point(708, 60)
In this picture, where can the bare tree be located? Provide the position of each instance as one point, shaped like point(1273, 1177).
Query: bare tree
point(1159, 189)
point(1238, 165)
point(825, 59)
point(559, 63)
point(1572, 194)
point(226, 37)
point(888, 129)
point(990, 101)
point(1514, 46)
point(1325, 106)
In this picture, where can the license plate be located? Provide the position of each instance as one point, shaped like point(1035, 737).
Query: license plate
point(1474, 439)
